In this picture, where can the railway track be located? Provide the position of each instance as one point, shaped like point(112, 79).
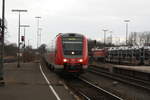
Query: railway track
point(125, 79)
point(88, 91)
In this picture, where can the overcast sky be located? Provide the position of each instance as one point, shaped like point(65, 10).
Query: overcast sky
point(88, 17)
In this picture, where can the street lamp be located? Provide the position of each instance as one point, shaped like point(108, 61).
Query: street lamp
point(24, 26)
point(104, 35)
point(2, 43)
point(126, 21)
point(38, 17)
point(19, 11)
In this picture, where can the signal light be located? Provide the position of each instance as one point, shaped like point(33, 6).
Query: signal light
point(22, 38)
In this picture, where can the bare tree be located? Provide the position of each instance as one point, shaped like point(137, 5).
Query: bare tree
point(139, 38)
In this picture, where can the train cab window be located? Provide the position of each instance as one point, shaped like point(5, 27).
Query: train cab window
point(73, 46)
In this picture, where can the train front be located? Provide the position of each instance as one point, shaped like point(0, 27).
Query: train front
point(75, 52)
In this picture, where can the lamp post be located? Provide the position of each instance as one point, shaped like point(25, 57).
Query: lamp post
point(126, 21)
point(19, 11)
point(104, 35)
point(38, 17)
point(2, 43)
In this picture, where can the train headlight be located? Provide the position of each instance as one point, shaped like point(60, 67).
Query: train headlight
point(65, 60)
point(72, 53)
point(80, 60)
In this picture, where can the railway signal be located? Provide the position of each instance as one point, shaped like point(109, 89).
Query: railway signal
point(22, 38)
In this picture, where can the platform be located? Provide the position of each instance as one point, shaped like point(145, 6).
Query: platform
point(28, 83)
point(140, 72)
point(145, 69)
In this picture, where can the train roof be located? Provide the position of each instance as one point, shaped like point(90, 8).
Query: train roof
point(71, 34)
point(128, 48)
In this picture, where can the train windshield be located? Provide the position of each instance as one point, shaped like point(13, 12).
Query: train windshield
point(72, 46)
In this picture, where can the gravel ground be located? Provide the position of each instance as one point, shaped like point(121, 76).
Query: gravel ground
point(126, 91)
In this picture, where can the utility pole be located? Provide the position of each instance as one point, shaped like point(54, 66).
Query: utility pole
point(104, 35)
point(126, 21)
point(18, 54)
point(2, 44)
point(38, 36)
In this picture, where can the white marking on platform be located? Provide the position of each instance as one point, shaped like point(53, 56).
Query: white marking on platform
point(50, 86)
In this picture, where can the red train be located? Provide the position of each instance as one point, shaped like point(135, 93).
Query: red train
point(69, 53)
point(99, 54)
